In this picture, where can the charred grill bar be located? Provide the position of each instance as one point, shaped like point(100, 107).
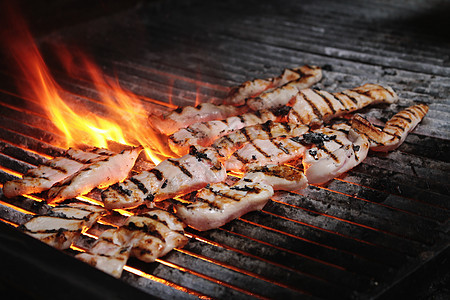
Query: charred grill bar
point(370, 233)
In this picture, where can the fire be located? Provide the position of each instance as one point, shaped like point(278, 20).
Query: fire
point(122, 117)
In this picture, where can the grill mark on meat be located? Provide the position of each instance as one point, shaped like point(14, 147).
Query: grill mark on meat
point(402, 117)
point(411, 111)
point(298, 140)
point(328, 152)
point(245, 133)
point(149, 198)
point(118, 188)
point(140, 185)
point(353, 99)
point(31, 175)
point(164, 185)
point(218, 193)
point(298, 116)
point(327, 101)
point(355, 151)
point(157, 173)
point(280, 146)
point(343, 130)
point(57, 168)
point(240, 158)
point(396, 126)
point(198, 154)
point(339, 142)
point(316, 111)
point(266, 127)
point(212, 205)
point(286, 126)
point(259, 149)
point(181, 167)
point(340, 101)
point(147, 229)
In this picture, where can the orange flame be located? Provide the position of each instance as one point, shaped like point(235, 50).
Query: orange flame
point(124, 119)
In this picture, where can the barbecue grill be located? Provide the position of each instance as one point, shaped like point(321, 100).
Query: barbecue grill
point(378, 231)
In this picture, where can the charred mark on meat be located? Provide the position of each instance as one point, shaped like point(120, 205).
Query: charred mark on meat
point(245, 188)
point(199, 155)
point(281, 111)
point(223, 195)
point(316, 111)
point(117, 187)
point(181, 167)
point(316, 138)
point(265, 127)
point(280, 146)
point(148, 229)
point(157, 173)
point(353, 99)
point(403, 118)
point(139, 184)
point(260, 150)
point(150, 197)
point(313, 153)
point(327, 101)
point(164, 184)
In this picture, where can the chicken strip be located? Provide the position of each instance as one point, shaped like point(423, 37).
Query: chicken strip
point(272, 151)
point(63, 224)
point(334, 156)
point(146, 236)
point(394, 132)
point(171, 177)
point(45, 176)
point(305, 76)
point(284, 93)
point(205, 133)
point(100, 174)
point(228, 144)
point(184, 116)
point(316, 106)
point(217, 204)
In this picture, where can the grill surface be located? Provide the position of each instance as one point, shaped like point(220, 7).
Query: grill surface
point(362, 235)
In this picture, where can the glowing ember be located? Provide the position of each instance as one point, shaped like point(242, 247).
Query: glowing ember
point(126, 121)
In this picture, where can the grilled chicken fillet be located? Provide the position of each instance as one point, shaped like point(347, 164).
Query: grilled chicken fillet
point(305, 75)
point(394, 132)
point(284, 93)
point(231, 142)
point(217, 204)
point(171, 177)
point(263, 152)
point(316, 106)
point(205, 133)
point(184, 116)
point(341, 150)
point(146, 236)
point(100, 174)
point(62, 225)
point(55, 170)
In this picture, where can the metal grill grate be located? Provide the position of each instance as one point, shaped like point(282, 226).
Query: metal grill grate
point(359, 235)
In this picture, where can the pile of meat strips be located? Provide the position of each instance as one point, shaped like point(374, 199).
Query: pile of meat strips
point(272, 132)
